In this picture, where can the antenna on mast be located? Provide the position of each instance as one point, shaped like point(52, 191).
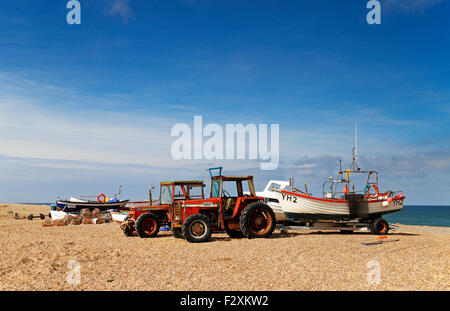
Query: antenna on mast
point(356, 141)
point(355, 148)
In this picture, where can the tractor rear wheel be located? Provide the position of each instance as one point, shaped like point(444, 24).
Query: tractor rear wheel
point(197, 228)
point(234, 234)
point(147, 225)
point(379, 226)
point(257, 220)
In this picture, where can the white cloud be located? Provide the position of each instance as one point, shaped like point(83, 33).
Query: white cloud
point(28, 130)
point(41, 121)
point(408, 6)
point(416, 165)
point(121, 8)
point(32, 126)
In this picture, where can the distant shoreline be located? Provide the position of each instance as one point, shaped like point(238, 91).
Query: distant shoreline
point(35, 204)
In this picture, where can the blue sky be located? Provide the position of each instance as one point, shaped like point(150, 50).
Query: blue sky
point(85, 108)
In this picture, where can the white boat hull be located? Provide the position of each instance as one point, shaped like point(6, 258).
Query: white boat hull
point(298, 207)
point(118, 216)
point(58, 215)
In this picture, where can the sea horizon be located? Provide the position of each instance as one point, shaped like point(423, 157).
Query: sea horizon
point(411, 214)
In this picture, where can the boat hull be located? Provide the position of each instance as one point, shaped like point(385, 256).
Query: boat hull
point(119, 216)
point(70, 206)
point(277, 210)
point(58, 215)
point(298, 207)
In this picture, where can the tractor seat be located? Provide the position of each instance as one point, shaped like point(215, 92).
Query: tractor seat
point(229, 205)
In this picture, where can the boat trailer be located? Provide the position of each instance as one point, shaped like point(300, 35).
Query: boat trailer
point(29, 217)
point(342, 226)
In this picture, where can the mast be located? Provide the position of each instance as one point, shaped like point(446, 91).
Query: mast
point(355, 148)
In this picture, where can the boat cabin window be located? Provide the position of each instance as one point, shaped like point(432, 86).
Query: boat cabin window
point(166, 194)
point(273, 186)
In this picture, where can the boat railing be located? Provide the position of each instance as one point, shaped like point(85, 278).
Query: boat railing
point(342, 193)
point(332, 192)
point(394, 194)
point(331, 188)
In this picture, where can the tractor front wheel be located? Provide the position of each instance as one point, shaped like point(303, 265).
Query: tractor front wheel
point(257, 221)
point(197, 228)
point(147, 225)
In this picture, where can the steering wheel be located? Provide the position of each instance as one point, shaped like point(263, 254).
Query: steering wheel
point(226, 193)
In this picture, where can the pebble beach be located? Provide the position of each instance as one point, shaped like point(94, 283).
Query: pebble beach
point(34, 257)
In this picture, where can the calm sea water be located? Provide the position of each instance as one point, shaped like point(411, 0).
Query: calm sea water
point(420, 215)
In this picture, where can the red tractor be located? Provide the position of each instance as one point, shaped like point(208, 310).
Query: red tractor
point(228, 208)
point(146, 221)
point(195, 218)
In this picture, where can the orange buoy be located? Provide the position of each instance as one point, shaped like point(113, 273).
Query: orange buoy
point(101, 195)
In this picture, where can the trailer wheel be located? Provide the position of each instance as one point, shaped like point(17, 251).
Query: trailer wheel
point(197, 228)
point(147, 225)
point(234, 234)
point(257, 220)
point(379, 226)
